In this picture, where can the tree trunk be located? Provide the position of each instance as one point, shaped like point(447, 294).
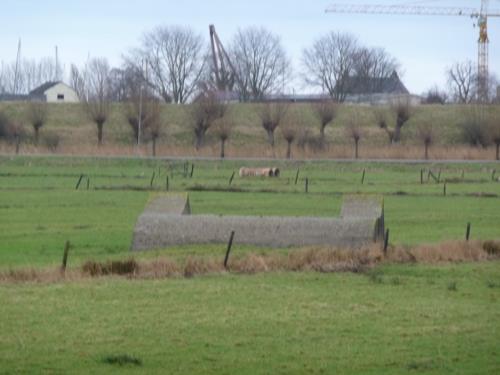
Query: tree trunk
point(397, 134)
point(289, 150)
point(99, 133)
point(498, 151)
point(154, 146)
point(426, 150)
point(356, 148)
point(270, 137)
point(222, 148)
point(18, 144)
point(322, 133)
point(37, 131)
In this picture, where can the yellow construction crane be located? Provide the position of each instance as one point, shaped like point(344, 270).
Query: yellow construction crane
point(481, 15)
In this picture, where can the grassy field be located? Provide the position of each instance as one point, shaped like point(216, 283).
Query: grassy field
point(394, 319)
point(78, 133)
point(412, 319)
point(40, 208)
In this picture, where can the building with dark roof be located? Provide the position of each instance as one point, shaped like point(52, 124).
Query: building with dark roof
point(54, 92)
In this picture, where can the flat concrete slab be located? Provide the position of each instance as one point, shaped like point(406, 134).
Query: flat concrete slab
point(166, 222)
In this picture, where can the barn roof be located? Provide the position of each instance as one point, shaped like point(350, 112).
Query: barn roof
point(375, 85)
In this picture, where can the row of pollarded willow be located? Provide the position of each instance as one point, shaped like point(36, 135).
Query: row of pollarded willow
point(480, 125)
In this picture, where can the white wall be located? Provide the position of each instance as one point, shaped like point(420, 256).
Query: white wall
point(61, 93)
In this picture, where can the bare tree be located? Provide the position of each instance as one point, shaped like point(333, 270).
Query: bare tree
point(37, 116)
point(325, 111)
point(372, 66)
point(426, 135)
point(174, 56)
point(97, 93)
point(462, 80)
point(205, 110)
point(271, 115)
point(402, 110)
point(77, 82)
point(355, 132)
point(329, 63)
point(222, 129)
point(474, 126)
point(260, 62)
point(144, 117)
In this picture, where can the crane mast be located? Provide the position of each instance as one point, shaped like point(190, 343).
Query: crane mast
point(482, 16)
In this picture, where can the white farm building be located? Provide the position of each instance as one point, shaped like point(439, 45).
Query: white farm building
point(54, 92)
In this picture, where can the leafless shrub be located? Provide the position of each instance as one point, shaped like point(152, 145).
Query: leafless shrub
point(355, 132)
point(271, 115)
point(403, 111)
point(325, 111)
point(474, 127)
point(435, 96)
point(51, 140)
point(426, 135)
point(4, 126)
point(222, 130)
point(290, 129)
point(37, 116)
point(205, 110)
point(494, 134)
point(381, 116)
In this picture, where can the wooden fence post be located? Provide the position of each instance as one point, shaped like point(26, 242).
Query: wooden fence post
point(467, 232)
point(386, 241)
point(297, 176)
point(79, 182)
point(229, 245)
point(231, 178)
point(363, 176)
point(152, 180)
point(307, 185)
point(65, 256)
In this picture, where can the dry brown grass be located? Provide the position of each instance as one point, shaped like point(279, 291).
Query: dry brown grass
point(403, 152)
point(314, 259)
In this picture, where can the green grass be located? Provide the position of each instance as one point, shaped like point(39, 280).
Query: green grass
point(291, 323)
point(396, 319)
point(40, 208)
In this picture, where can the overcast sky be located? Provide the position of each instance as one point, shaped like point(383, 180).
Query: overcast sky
point(425, 45)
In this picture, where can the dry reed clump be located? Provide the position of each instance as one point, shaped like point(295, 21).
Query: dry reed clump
point(316, 259)
point(337, 151)
point(115, 267)
point(160, 268)
point(445, 252)
point(201, 266)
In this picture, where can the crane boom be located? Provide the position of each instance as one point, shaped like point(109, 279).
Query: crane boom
point(409, 10)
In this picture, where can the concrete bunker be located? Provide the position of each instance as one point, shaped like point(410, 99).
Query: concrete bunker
point(167, 221)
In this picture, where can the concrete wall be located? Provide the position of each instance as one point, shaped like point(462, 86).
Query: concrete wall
point(61, 93)
point(165, 223)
